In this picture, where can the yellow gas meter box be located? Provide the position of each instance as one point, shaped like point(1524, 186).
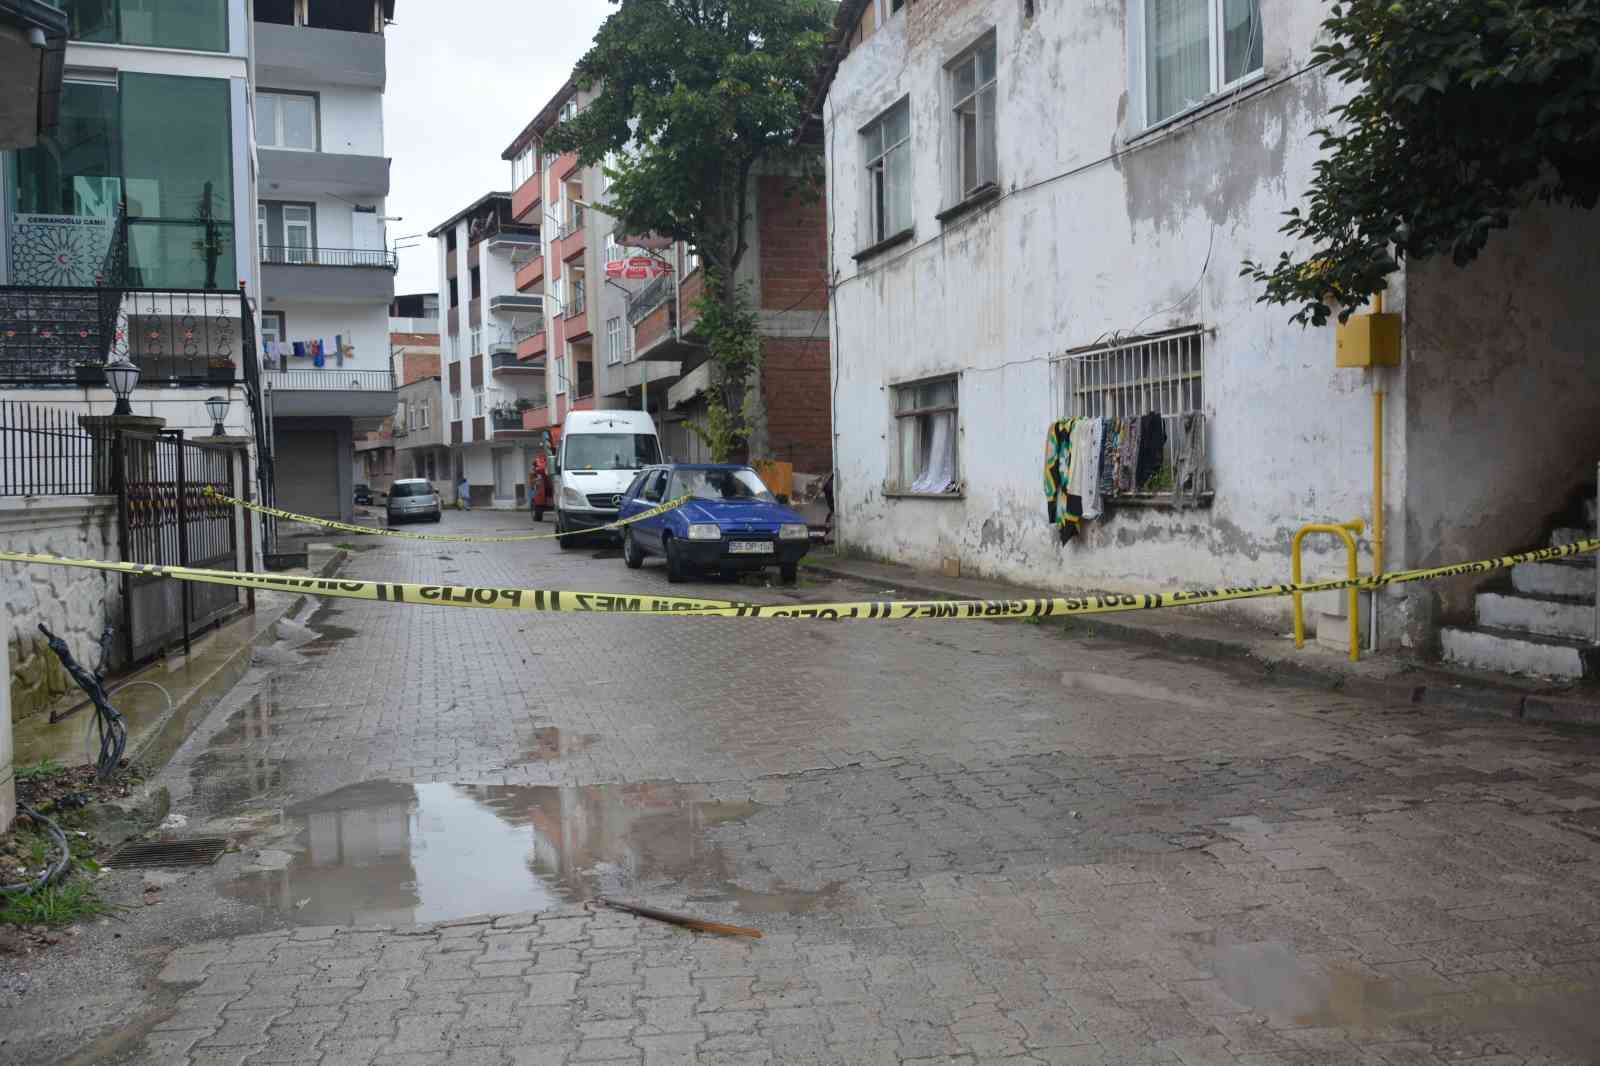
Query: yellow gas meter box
point(1368, 340)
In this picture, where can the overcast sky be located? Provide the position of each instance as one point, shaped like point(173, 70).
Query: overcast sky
point(464, 77)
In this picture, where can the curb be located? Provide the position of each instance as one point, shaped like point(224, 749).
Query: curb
point(162, 741)
point(1466, 697)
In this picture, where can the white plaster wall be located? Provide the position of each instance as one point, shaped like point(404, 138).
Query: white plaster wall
point(366, 326)
point(1149, 241)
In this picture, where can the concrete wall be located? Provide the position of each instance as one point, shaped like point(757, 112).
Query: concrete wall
point(1503, 396)
point(1080, 246)
point(352, 120)
point(76, 604)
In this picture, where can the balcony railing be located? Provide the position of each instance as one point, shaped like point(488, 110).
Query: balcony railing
point(291, 255)
point(506, 420)
point(650, 297)
point(55, 336)
point(330, 380)
point(509, 361)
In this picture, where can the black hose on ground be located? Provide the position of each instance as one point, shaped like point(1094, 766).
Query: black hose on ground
point(113, 730)
point(52, 870)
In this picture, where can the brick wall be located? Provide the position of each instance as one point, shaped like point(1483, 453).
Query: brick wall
point(794, 390)
point(416, 365)
point(793, 233)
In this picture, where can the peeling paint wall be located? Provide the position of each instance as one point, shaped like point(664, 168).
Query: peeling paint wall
point(1080, 246)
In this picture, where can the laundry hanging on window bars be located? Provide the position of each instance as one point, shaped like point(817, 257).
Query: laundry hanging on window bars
point(1089, 463)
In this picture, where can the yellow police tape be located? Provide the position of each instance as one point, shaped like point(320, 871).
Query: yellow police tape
point(375, 531)
point(562, 600)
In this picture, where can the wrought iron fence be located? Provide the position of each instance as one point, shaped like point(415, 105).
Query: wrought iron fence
point(60, 336)
point(44, 451)
point(292, 255)
point(330, 380)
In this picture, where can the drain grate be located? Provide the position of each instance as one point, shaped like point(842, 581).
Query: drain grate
point(193, 851)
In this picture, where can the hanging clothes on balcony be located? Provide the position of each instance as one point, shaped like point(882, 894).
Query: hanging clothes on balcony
point(317, 359)
point(1152, 449)
point(299, 349)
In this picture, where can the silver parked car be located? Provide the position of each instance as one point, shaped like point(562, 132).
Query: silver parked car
point(413, 497)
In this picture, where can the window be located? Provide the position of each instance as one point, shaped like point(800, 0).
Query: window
point(691, 261)
point(886, 143)
point(1162, 374)
point(615, 348)
point(926, 425)
point(286, 120)
point(287, 232)
point(277, 12)
point(453, 347)
point(720, 485)
point(477, 402)
point(163, 144)
point(455, 406)
point(614, 251)
point(575, 280)
point(450, 239)
point(424, 415)
point(1193, 48)
point(657, 481)
point(477, 282)
point(273, 327)
point(569, 111)
point(524, 165)
point(455, 295)
point(972, 94)
point(196, 25)
point(572, 197)
point(477, 341)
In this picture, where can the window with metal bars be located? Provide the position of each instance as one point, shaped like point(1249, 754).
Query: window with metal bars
point(1160, 374)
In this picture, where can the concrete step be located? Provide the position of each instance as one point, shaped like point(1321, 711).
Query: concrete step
point(1510, 652)
point(1548, 616)
point(1567, 578)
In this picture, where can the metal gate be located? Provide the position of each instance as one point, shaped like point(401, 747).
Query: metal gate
point(166, 519)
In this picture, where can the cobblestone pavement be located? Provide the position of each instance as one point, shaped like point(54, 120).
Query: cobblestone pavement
point(965, 842)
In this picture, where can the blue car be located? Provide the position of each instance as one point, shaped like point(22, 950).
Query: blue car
point(730, 524)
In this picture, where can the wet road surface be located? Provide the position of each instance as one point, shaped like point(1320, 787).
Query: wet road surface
point(964, 842)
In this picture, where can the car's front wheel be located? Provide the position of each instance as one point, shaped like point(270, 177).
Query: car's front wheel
point(566, 541)
point(632, 557)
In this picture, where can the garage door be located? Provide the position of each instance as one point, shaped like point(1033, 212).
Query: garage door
point(306, 470)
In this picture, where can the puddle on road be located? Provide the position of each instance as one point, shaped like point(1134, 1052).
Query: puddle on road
point(382, 852)
point(550, 743)
point(1270, 978)
point(329, 634)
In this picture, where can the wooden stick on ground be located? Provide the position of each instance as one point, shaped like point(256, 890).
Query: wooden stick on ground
point(684, 920)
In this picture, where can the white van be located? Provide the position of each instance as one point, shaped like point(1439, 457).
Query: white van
point(601, 451)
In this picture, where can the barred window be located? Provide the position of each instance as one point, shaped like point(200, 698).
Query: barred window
point(1161, 374)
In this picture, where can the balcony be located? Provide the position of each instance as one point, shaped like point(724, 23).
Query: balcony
point(290, 173)
point(327, 275)
point(62, 336)
point(508, 363)
point(530, 275)
point(574, 237)
point(331, 392)
point(305, 55)
point(516, 303)
point(532, 346)
point(511, 238)
point(537, 419)
point(527, 196)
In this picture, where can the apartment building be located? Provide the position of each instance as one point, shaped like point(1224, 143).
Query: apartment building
point(488, 389)
point(1039, 212)
point(327, 275)
point(125, 225)
point(621, 323)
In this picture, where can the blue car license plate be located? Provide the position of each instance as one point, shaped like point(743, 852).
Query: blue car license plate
point(750, 547)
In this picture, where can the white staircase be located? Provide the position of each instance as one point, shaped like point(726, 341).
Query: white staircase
point(1543, 623)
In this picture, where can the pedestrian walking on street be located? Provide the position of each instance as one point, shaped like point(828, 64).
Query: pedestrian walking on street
point(462, 494)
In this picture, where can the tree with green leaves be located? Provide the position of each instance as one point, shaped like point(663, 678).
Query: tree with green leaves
point(695, 98)
point(1464, 112)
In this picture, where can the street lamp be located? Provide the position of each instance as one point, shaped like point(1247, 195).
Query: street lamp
point(217, 408)
point(122, 375)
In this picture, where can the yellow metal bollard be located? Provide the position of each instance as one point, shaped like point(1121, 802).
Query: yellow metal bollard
point(1343, 531)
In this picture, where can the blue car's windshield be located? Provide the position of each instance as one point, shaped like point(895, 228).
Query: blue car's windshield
point(719, 485)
